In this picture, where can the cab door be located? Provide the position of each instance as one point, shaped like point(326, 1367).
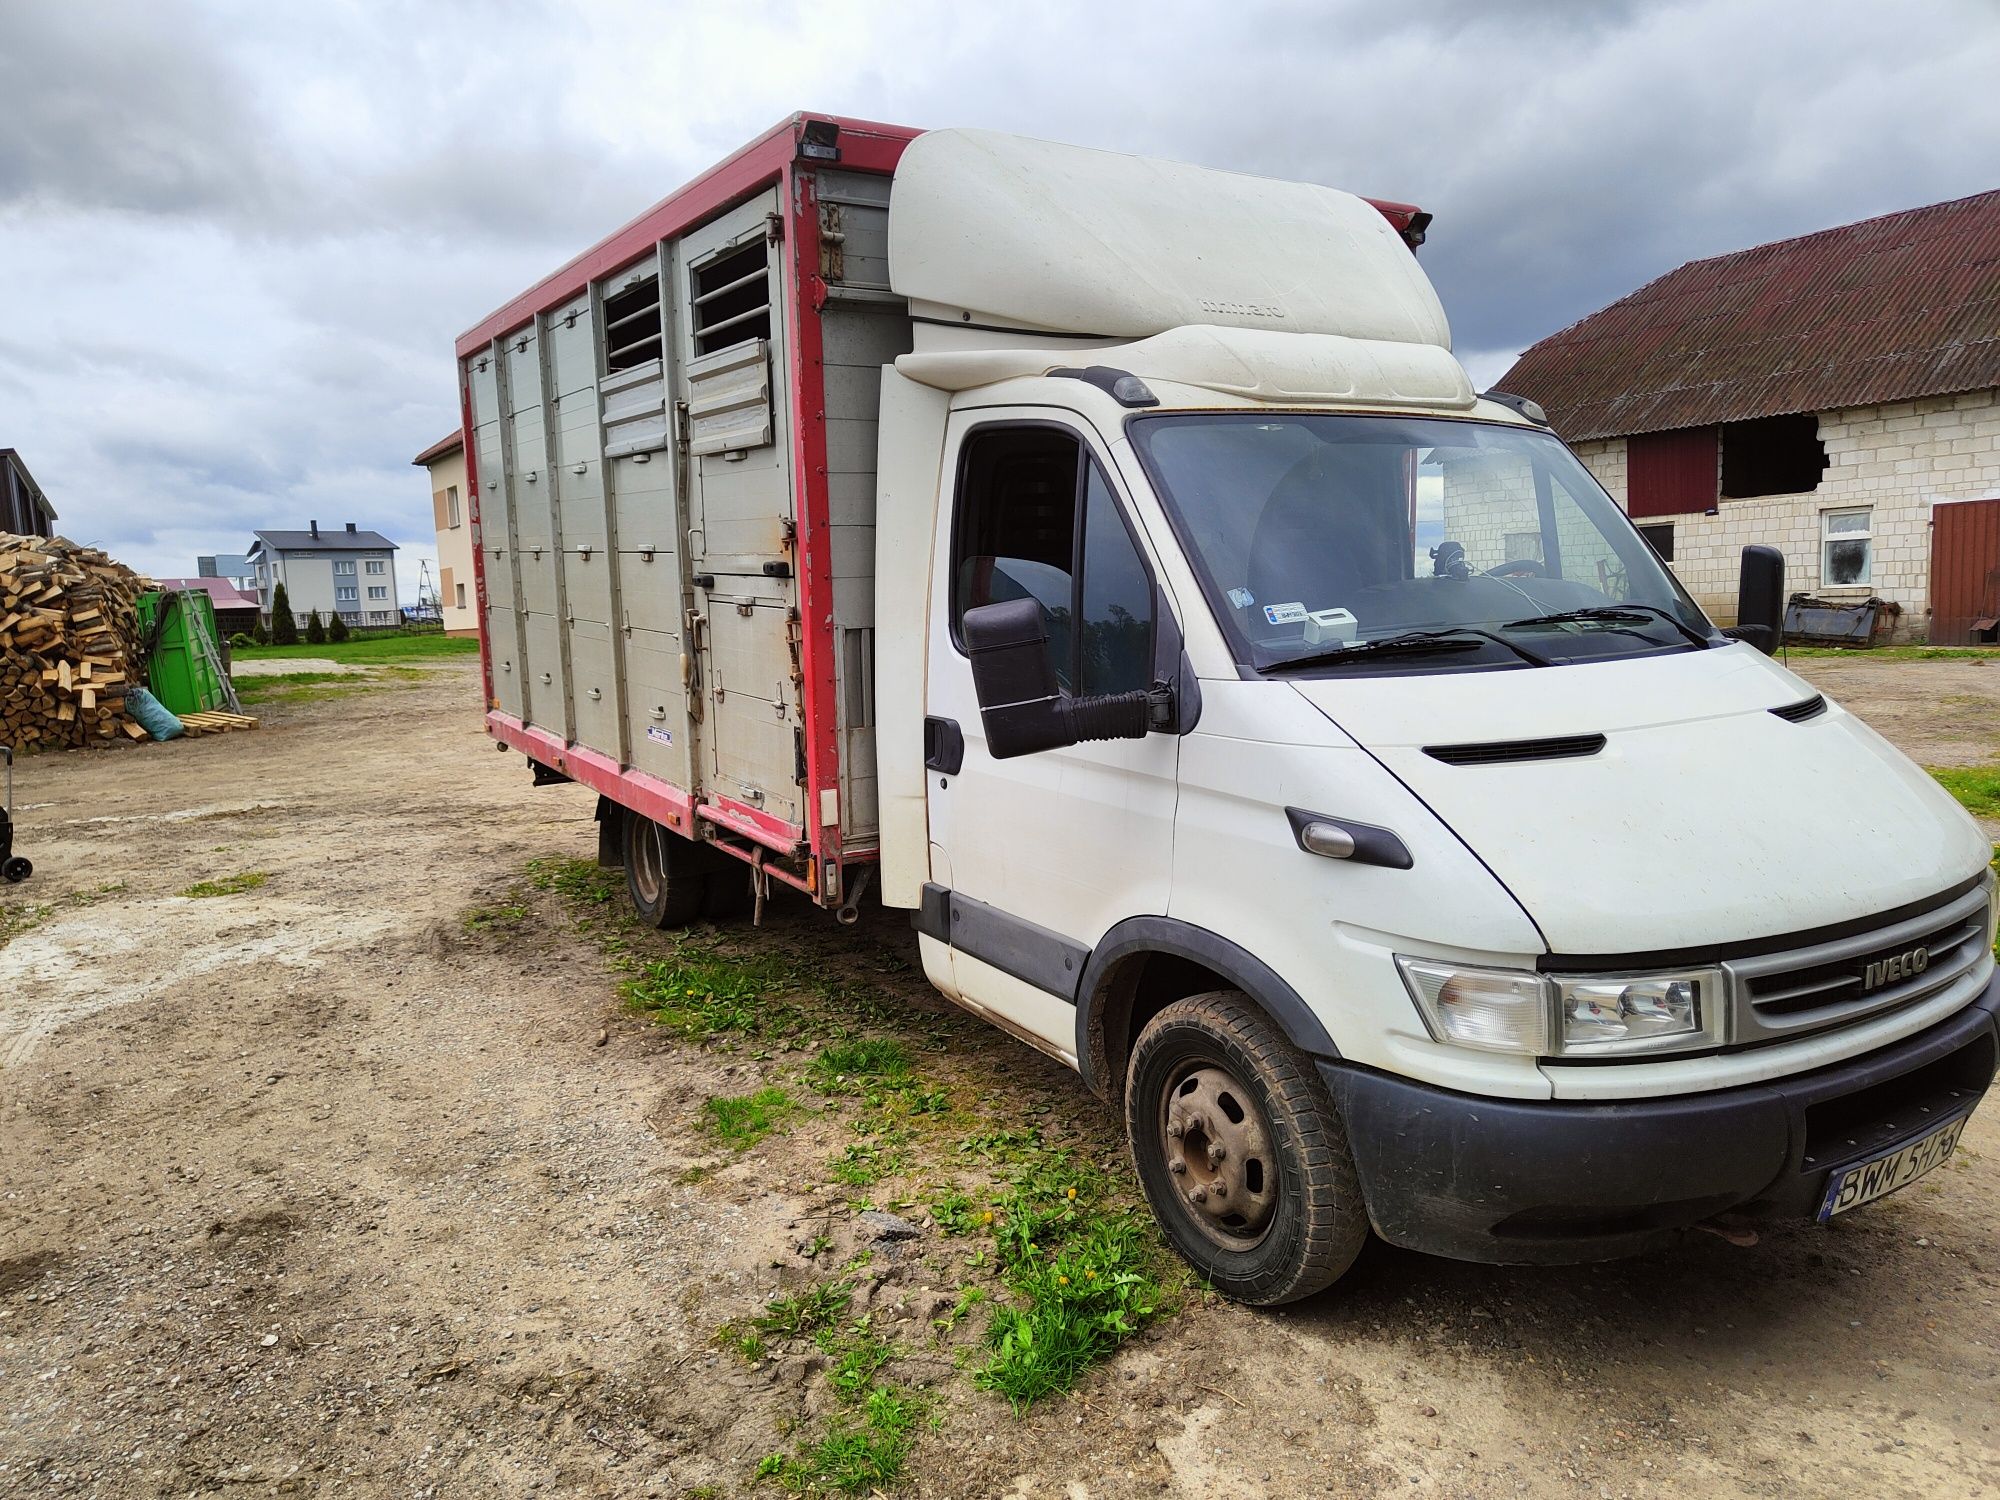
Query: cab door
point(1045, 852)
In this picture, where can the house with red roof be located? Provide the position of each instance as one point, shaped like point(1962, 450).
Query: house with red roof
point(1836, 396)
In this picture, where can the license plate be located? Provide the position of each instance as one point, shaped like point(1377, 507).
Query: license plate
point(1879, 1176)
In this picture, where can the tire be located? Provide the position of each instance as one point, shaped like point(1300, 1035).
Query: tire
point(16, 870)
point(664, 873)
point(1297, 1221)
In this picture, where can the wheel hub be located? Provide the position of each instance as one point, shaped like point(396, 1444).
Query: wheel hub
point(1218, 1150)
point(649, 863)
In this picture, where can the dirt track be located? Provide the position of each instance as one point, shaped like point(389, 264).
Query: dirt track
point(313, 1189)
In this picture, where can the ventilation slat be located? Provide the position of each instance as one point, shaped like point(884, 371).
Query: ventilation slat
point(1498, 752)
point(1798, 713)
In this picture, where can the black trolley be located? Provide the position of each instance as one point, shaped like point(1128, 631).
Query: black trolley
point(13, 868)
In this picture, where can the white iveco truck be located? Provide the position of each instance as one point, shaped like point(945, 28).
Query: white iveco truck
point(1108, 561)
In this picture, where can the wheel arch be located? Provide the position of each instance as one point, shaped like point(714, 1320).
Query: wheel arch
point(1144, 964)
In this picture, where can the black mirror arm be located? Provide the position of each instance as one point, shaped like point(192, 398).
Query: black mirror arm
point(1117, 716)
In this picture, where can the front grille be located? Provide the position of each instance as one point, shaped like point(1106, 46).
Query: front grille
point(1870, 973)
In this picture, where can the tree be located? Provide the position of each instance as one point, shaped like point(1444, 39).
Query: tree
point(315, 630)
point(284, 624)
point(259, 634)
point(336, 628)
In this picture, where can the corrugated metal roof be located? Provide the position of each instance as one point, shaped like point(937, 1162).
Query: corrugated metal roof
point(451, 442)
point(1888, 309)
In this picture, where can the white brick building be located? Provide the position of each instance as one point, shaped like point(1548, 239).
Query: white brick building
point(349, 573)
point(1836, 396)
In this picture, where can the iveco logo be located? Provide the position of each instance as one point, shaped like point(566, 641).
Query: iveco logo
point(1902, 966)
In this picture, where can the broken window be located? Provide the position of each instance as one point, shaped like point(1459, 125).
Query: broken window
point(1772, 456)
point(732, 298)
point(631, 325)
point(1845, 548)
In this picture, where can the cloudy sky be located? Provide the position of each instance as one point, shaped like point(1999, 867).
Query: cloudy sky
point(237, 239)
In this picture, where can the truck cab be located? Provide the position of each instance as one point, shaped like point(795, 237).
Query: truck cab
point(1252, 716)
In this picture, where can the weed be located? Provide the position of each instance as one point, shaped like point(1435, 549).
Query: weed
point(806, 1311)
point(494, 918)
point(228, 885)
point(745, 1341)
point(580, 880)
point(1898, 653)
point(699, 992)
point(746, 1119)
point(956, 1213)
point(968, 1298)
point(1976, 787)
point(866, 1163)
point(849, 1067)
point(817, 1246)
point(856, 1354)
point(16, 920)
point(864, 1448)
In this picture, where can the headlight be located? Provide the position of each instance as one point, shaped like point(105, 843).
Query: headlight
point(1509, 1010)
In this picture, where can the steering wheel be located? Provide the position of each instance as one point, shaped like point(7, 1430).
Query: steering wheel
point(1519, 567)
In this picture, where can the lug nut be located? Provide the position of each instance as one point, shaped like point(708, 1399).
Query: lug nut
point(1177, 1165)
point(1216, 1152)
point(1198, 1195)
point(1221, 1190)
point(1176, 1129)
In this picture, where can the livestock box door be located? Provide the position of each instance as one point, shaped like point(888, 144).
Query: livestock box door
point(491, 441)
point(752, 727)
point(729, 334)
point(531, 503)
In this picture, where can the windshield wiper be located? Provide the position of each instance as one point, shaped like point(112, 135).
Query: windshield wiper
point(1457, 638)
point(1636, 612)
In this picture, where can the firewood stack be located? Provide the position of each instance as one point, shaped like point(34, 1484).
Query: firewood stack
point(69, 644)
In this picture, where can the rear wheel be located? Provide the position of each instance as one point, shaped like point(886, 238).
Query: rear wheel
point(666, 874)
point(1241, 1153)
point(16, 870)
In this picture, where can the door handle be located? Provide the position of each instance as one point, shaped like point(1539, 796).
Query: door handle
point(944, 745)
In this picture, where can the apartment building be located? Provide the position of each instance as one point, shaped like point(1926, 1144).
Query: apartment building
point(349, 573)
point(444, 461)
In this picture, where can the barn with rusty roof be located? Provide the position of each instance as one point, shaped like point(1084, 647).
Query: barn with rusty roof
point(1836, 396)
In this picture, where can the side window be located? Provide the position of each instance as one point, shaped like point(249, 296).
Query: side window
point(1021, 534)
point(1016, 530)
point(1116, 612)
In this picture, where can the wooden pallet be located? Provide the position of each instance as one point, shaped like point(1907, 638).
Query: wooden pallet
point(216, 722)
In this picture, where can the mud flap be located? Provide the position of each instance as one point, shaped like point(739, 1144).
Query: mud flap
point(610, 831)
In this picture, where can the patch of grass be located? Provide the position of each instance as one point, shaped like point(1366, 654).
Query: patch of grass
point(701, 992)
point(746, 1342)
point(856, 1354)
point(1976, 787)
point(228, 885)
point(743, 1121)
point(581, 880)
point(1084, 1272)
point(866, 1163)
point(1899, 653)
point(864, 1448)
point(24, 918)
point(849, 1067)
point(968, 1298)
point(494, 918)
point(367, 650)
point(802, 1312)
point(956, 1213)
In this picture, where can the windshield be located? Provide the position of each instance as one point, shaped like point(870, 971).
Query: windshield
point(1316, 534)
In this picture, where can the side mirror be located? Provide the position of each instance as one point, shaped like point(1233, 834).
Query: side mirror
point(1760, 600)
point(1021, 706)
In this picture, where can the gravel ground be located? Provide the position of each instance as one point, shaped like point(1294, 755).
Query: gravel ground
point(314, 1188)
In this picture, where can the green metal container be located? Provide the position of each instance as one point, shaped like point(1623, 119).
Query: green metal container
point(183, 667)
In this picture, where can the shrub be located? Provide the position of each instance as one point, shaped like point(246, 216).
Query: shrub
point(240, 639)
point(315, 630)
point(259, 634)
point(336, 628)
point(284, 624)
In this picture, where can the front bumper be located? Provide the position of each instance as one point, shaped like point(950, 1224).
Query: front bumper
point(1503, 1181)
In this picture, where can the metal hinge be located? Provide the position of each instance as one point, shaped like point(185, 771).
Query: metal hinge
point(681, 426)
point(774, 228)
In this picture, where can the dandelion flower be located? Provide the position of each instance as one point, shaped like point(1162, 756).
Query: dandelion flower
point(1072, 1192)
point(1063, 1279)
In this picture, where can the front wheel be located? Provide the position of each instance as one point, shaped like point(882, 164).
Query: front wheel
point(16, 870)
point(1241, 1153)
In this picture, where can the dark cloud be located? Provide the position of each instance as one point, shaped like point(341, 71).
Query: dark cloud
point(238, 239)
